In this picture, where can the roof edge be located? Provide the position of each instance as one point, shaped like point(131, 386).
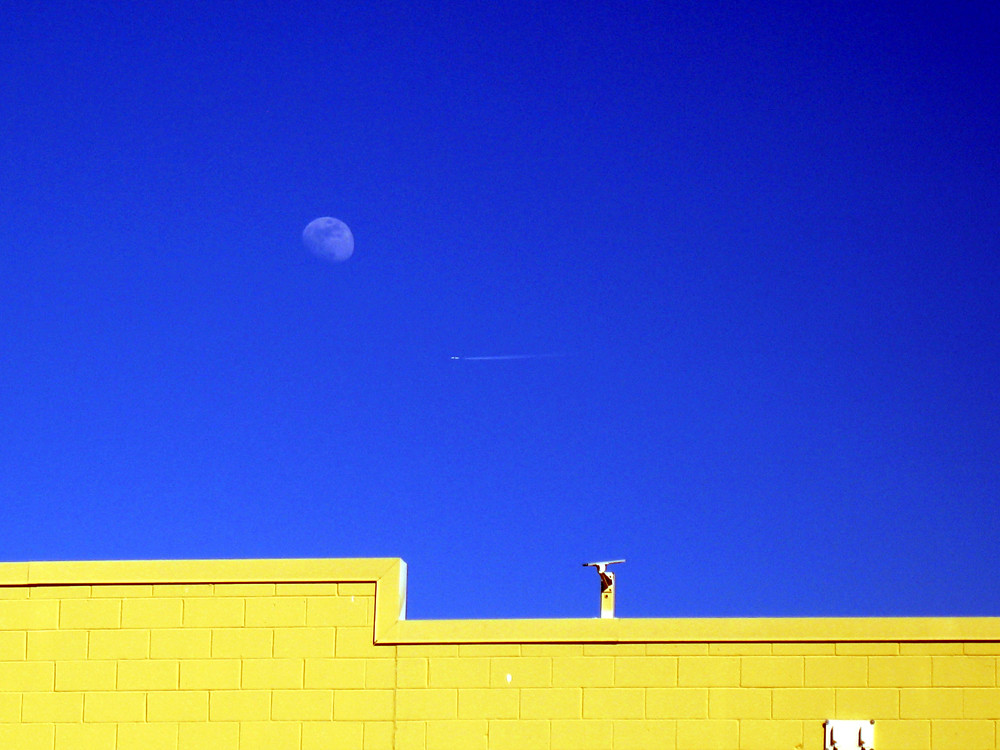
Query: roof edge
point(392, 628)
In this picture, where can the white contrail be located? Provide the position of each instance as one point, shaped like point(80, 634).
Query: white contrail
point(507, 356)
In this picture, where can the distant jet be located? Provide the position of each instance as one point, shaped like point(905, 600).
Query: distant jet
point(495, 357)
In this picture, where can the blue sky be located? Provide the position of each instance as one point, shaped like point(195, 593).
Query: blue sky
point(763, 237)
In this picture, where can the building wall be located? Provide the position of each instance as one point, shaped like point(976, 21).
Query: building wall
point(283, 654)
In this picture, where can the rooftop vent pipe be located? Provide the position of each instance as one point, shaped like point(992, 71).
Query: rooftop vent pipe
point(607, 586)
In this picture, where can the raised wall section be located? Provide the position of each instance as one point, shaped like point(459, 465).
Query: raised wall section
point(310, 654)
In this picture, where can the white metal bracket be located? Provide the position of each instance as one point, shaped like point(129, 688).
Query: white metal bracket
point(607, 586)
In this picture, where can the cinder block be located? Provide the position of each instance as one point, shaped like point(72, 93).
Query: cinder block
point(272, 735)
point(981, 703)
point(708, 671)
point(239, 705)
point(411, 672)
point(581, 734)
point(180, 644)
point(645, 671)
point(52, 707)
point(867, 703)
point(650, 734)
point(931, 649)
point(214, 612)
point(739, 703)
point(276, 611)
point(803, 649)
point(183, 590)
point(489, 703)
point(341, 611)
point(899, 671)
point(216, 735)
point(970, 734)
point(302, 705)
point(326, 735)
point(118, 707)
point(272, 673)
point(58, 592)
point(711, 733)
point(147, 674)
point(551, 649)
point(519, 734)
point(430, 703)
point(803, 703)
point(905, 735)
point(466, 734)
point(930, 703)
point(13, 645)
point(957, 671)
point(550, 703)
point(335, 673)
point(613, 703)
point(836, 671)
point(739, 649)
point(210, 674)
point(772, 671)
point(677, 703)
point(83, 675)
point(242, 643)
point(380, 673)
point(867, 649)
point(124, 591)
point(424, 649)
point(152, 613)
point(356, 589)
point(363, 705)
point(489, 649)
point(118, 644)
point(90, 613)
point(147, 736)
point(676, 649)
point(303, 642)
point(379, 735)
point(757, 734)
point(583, 671)
point(27, 736)
point(525, 671)
point(988, 648)
point(84, 736)
point(177, 705)
point(55, 645)
point(409, 735)
point(10, 707)
point(29, 614)
point(243, 589)
point(357, 642)
point(614, 649)
point(324, 590)
point(473, 671)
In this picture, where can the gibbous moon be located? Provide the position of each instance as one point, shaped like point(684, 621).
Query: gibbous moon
point(329, 238)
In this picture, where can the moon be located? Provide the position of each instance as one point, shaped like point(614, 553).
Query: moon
point(329, 238)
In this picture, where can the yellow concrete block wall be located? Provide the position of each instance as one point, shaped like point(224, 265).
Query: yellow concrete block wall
point(311, 654)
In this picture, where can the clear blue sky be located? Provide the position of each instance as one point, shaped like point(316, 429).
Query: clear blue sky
point(763, 236)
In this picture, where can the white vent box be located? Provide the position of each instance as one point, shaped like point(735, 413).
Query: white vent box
point(842, 734)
